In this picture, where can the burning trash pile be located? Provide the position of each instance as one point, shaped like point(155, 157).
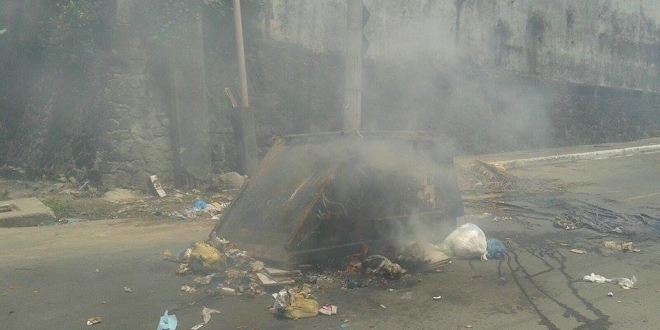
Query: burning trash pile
point(220, 268)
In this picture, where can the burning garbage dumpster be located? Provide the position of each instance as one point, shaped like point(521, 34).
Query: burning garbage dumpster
point(315, 196)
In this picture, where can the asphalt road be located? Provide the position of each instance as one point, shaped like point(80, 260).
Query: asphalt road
point(57, 277)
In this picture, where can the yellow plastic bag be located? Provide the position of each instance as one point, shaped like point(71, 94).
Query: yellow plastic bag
point(208, 257)
point(301, 307)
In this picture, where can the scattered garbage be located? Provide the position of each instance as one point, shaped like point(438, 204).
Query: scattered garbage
point(421, 258)
point(623, 282)
point(167, 255)
point(228, 291)
point(495, 249)
point(382, 306)
point(567, 222)
point(610, 294)
point(620, 246)
point(578, 251)
point(188, 289)
point(328, 309)
point(206, 317)
point(57, 222)
point(128, 290)
point(232, 180)
point(295, 303)
point(595, 278)
point(381, 265)
point(206, 313)
point(467, 241)
point(200, 205)
point(437, 297)
point(204, 280)
point(178, 215)
point(200, 208)
point(167, 322)
point(94, 320)
point(267, 280)
point(223, 269)
point(205, 258)
point(231, 271)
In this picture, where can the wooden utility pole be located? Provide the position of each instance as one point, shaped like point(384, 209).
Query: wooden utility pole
point(248, 128)
point(353, 75)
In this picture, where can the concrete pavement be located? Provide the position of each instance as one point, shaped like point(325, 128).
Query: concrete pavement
point(48, 277)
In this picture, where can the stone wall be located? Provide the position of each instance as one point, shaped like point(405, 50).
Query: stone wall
point(136, 142)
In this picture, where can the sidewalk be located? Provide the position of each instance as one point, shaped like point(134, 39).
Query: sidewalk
point(519, 159)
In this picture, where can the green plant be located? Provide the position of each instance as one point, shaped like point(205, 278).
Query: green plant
point(60, 208)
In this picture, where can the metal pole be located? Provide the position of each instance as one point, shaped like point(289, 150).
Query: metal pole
point(250, 153)
point(353, 74)
point(240, 48)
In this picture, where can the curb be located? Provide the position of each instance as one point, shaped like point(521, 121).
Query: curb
point(574, 157)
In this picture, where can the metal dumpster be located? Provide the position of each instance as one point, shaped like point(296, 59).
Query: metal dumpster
point(314, 196)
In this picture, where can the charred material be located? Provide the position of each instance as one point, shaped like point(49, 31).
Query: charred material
point(319, 196)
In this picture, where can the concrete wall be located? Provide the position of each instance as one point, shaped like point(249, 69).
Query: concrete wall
point(611, 43)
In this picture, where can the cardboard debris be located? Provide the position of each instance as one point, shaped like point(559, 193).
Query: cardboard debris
point(276, 272)
point(155, 184)
point(266, 280)
point(328, 309)
point(94, 320)
point(436, 261)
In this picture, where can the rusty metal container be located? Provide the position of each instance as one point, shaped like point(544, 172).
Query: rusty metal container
point(315, 196)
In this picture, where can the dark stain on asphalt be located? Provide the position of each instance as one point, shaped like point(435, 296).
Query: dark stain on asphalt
point(514, 264)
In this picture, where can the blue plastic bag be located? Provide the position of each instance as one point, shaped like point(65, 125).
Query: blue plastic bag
point(167, 322)
point(200, 205)
point(495, 249)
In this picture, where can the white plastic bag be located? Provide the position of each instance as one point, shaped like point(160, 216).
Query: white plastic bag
point(467, 241)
